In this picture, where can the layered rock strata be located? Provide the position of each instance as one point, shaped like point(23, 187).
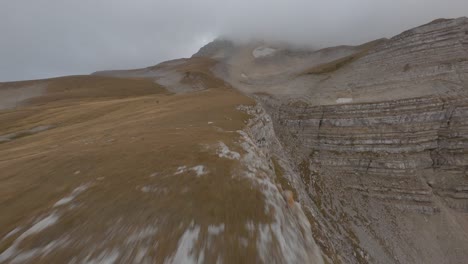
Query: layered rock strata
point(386, 176)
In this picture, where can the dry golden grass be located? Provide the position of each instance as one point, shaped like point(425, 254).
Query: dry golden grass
point(119, 137)
point(80, 87)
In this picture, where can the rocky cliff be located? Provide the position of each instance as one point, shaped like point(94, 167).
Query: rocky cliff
point(376, 142)
point(390, 176)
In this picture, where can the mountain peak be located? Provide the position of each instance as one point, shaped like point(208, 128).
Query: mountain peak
point(218, 48)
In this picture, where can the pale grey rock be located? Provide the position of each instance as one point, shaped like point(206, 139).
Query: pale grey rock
point(384, 174)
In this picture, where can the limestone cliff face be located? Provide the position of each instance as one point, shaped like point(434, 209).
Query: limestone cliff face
point(390, 176)
point(377, 144)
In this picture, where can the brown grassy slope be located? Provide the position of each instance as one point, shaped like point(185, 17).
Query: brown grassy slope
point(127, 152)
point(69, 89)
point(115, 145)
point(332, 66)
point(198, 69)
point(78, 87)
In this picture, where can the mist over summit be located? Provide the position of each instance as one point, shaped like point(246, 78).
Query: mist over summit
point(51, 38)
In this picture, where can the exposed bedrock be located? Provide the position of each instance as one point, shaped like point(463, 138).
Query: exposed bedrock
point(391, 175)
point(430, 59)
point(385, 178)
point(417, 138)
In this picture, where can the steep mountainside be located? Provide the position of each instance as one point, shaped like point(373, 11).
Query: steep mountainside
point(387, 170)
point(99, 169)
point(377, 138)
point(245, 153)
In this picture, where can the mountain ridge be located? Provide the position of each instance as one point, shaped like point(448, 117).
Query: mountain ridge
point(252, 153)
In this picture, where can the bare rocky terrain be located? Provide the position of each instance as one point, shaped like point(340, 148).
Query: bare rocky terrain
point(245, 153)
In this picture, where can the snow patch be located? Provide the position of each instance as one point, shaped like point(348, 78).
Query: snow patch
point(12, 233)
point(146, 189)
point(215, 230)
point(23, 257)
point(263, 52)
point(40, 225)
point(224, 152)
point(185, 249)
point(199, 170)
point(180, 170)
point(154, 189)
point(36, 228)
point(250, 226)
point(72, 196)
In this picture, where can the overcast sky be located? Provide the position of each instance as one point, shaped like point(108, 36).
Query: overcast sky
point(45, 38)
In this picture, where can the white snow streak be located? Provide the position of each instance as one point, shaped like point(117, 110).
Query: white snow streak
point(72, 196)
point(36, 228)
point(185, 249)
point(224, 152)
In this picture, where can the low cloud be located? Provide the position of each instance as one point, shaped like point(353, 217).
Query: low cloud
point(45, 38)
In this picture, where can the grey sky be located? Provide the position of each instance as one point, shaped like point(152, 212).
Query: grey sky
point(45, 38)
